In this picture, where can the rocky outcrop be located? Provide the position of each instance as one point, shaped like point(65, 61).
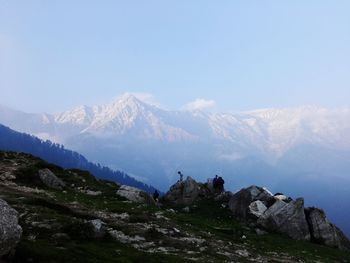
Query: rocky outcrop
point(135, 195)
point(287, 218)
point(324, 232)
point(260, 209)
point(183, 192)
point(10, 230)
point(50, 179)
point(239, 203)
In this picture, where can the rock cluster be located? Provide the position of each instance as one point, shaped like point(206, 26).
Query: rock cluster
point(10, 231)
point(261, 209)
point(258, 207)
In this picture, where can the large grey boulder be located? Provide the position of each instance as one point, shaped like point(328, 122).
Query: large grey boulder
point(183, 192)
point(286, 218)
point(135, 195)
point(322, 231)
point(240, 201)
point(10, 230)
point(50, 179)
point(257, 209)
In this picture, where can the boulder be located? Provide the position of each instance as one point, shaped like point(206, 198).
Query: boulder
point(323, 232)
point(50, 179)
point(10, 230)
point(286, 218)
point(135, 194)
point(257, 209)
point(97, 228)
point(240, 201)
point(183, 192)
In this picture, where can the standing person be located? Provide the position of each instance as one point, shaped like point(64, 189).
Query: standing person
point(156, 198)
point(181, 176)
point(215, 181)
point(156, 195)
point(220, 184)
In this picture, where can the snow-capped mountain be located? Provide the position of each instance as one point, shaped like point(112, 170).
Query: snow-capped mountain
point(149, 142)
point(126, 115)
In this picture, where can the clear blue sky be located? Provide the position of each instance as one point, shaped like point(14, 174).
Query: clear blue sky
point(241, 54)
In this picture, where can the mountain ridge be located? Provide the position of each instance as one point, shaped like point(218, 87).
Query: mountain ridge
point(57, 154)
point(272, 131)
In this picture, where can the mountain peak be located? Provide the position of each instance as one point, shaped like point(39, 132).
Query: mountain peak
point(128, 98)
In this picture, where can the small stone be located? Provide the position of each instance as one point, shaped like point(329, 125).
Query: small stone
point(260, 232)
point(176, 230)
point(186, 209)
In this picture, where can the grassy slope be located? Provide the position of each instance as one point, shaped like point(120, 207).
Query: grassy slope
point(44, 214)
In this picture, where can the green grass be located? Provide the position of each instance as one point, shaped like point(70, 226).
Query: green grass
point(299, 250)
point(42, 251)
point(209, 216)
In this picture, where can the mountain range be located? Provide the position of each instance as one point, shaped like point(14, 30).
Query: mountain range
point(304, 151)
point(268, 135)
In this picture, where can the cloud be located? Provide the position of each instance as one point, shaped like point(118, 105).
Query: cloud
point(199, 104)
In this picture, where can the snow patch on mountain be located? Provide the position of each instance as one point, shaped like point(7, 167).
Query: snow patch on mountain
point(269, 132)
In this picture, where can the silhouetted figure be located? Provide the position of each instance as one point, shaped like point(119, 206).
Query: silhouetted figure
point(181, 176)
point(215, 181)
point(156, 196)
point(218, 184)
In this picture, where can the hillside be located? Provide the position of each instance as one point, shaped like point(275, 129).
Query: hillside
point(57, 154)
point(69, 216)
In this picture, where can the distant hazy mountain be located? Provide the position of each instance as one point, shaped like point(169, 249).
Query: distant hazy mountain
point(153, 143)
point(57, 154)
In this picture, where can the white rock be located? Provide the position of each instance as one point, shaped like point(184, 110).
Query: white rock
point(121, 237)
point(134, 194)
point(281, 197)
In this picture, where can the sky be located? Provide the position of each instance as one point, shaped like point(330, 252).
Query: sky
point(223, 55)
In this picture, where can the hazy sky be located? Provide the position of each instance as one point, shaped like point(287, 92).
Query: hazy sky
point(237, 55)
